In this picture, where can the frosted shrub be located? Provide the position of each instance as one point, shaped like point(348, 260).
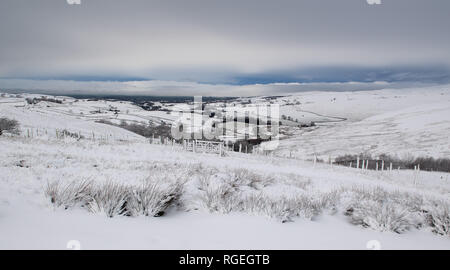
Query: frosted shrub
point(381, 217)
point(153, 198)
point(224, 193)
point(114, 199)
point(438, 217)
point(220, 198)
point(306, 206)
point(284, 208)
point(69, 194)
point(243, 177)
point(205, 176)
point(300, 205)
point(382, 210)
point(397, 211)
point(216, 195)
point(110, 199)
point(242, 191)
point(281, 209)
point(329, 201)
point(413, 202)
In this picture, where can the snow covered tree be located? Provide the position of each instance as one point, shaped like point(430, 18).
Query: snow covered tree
point(9, 125)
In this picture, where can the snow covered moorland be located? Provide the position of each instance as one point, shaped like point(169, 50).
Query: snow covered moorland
point(106, 187)
point(401, 122)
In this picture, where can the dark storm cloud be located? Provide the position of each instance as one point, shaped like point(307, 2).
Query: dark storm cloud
point(236, 42)
point(173, 88)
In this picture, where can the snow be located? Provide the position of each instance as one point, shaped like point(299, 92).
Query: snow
point(54, 229)
point(407, 122)
point(46, 120)
point(411, 121)
point(358, 105)
point(25, 211)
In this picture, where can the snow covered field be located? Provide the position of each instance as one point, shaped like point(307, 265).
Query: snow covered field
point(29, 220)
point(239, 201)
point(406, 122)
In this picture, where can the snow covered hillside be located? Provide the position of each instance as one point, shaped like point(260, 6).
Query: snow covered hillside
point(275, 203)
point(78, 116)
point(109, 188)
point(406, 122)
point(402, 122)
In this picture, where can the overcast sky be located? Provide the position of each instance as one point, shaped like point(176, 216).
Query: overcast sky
point(184, 45)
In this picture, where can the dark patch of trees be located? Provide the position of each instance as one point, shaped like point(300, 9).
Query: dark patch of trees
point(9, 125)
point(425, 163)
point(145, 130)
point(47, 99)
point(75, 135)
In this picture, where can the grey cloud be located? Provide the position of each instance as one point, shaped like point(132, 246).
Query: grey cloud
point(50, 38)
point(172, 88)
